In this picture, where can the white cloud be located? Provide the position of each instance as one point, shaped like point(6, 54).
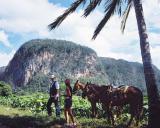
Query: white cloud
point(155, 58)
point(27, 16)
point(5, 58)
point(4, 39)
point(33, 16)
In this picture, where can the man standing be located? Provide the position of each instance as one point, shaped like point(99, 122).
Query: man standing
point(54, 97)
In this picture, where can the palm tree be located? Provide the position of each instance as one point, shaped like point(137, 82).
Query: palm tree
point(122, 8)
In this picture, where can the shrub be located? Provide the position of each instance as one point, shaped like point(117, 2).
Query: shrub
point(5, 89)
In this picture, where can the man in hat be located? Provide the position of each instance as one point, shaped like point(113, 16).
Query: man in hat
point(54, 96)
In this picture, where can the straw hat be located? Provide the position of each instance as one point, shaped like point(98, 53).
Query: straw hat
point(52, 76)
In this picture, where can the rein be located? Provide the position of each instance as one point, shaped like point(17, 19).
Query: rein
point(80, 86)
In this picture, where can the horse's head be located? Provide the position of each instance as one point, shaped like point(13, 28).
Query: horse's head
point(76, 86)
point(86, 90)
point(109, 87)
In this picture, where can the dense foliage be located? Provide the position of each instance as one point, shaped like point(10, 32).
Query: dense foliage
point(122, 72)
point(36, 103)
point(5, 89)
point(59, 46)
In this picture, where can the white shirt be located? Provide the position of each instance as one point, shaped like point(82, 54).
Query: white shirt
point(56, 85)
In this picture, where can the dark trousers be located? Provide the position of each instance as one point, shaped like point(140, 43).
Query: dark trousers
point(57, 106)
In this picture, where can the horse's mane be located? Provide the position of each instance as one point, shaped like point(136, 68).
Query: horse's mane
point(94, 87)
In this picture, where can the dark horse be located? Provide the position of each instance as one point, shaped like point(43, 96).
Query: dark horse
point(120, 96)
point(92, 97)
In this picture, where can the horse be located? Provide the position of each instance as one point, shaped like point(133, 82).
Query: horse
point(92, 99)
point(96, 91)
point(120, 96)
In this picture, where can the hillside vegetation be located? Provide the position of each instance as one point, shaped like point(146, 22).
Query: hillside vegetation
point(29, 111)
point(35, 60)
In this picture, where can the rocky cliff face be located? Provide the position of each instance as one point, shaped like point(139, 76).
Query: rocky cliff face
point(62, 58)
point(2, 69)
point(37, 59)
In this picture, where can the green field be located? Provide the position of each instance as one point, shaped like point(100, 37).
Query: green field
point(29, 111)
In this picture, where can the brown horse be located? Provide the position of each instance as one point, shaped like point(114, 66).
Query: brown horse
point(121, 96)
point(92, 98)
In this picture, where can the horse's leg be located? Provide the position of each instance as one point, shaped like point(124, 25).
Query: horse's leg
point(118, 111)
point(138, 115)
point(96, 115)
point(111, 115)
point(139, 110)
point(93, 105)
point(130, 121)
point(137, 118)
point(132, 112)
point(94, 109)
point(106, 109)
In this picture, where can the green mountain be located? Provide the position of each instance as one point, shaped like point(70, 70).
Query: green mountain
point(128, 73)
point(34, 61)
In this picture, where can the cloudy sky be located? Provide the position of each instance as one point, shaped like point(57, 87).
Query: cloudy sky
point(23, 20)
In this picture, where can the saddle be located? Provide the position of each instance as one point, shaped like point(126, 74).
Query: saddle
point(118, 93)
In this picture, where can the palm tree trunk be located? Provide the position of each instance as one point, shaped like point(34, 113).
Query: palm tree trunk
point(152, 90)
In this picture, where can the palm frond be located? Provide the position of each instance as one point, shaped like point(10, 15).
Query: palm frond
point(93, 4)
point(125, 16)
point(119, 7)
point(108, 2)
point(110, 9)
point(84, 2)
point(70, 10)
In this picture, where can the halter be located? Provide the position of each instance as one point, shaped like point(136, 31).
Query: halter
point(80, 86)
point(92, 89)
